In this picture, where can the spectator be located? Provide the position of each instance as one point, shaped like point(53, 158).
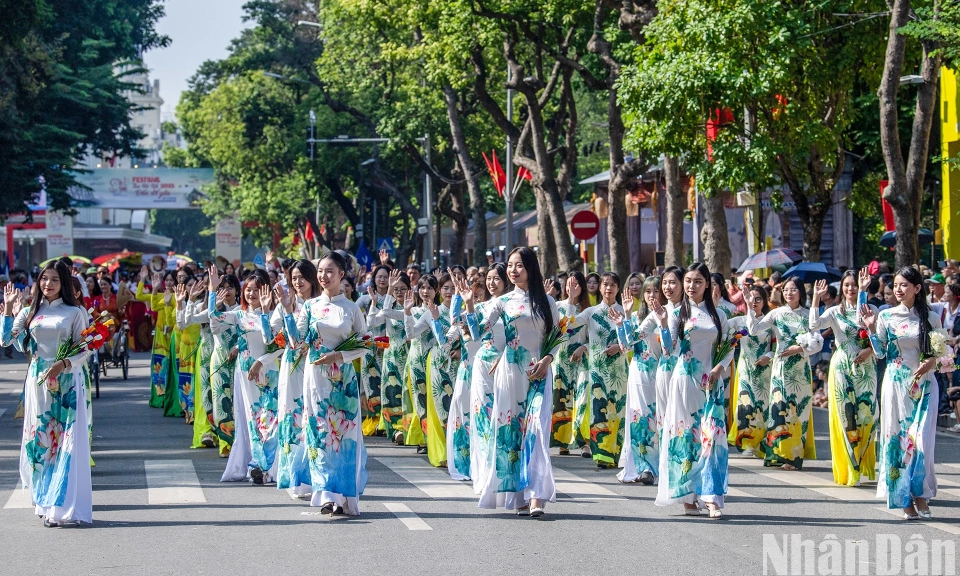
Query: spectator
point(935, 287)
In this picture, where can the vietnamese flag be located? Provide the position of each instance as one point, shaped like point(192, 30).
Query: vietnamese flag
point(497, 174)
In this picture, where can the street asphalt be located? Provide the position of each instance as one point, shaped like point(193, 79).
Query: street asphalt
point(425, 524)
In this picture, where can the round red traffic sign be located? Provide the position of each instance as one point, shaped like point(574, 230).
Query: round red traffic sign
point(584, 225)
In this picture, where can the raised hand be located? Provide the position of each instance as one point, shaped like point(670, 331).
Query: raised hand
point(266, 299)
point(548, 287)
point(180, 291)
point(221, 296)
point(285, 298)
point(715, 292)
point(660, 312)
point(384, 257)
point(864, 279)
point(155, 280)
point(394, 281)
point(372, 292)
point(213, 280)
point(627, 304)
point(268, 256)
point(869, 318)
point(11, 297)
point(465, 291)
point(573, 290)
point(434, 311)
point(820, 289)
point(144, 273)
point(408, 302)
point(616, 315)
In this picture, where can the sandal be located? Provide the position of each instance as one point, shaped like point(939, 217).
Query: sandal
point(47, 523)
point(525, 511)
point(691, 511)
point(327, 509)
point(585, 452)
point(911, 513)
point(421, 449)
point(564, 452)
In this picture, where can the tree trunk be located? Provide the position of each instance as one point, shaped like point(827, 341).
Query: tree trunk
point(478, 207)
point(676, 201)
point(716, 244)
point(546, 241)
point(905, 179)
point(452, 205)
point(620, 176)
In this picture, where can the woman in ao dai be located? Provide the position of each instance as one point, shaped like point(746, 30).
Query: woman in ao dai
point(571, 401)
point(192, 311)
point(641, 449)
point(292, 464)
point(789, 437)
point(54, 447)
point(519, 476)
point(607, 366)
point(910, 393)
point(460, 419)
point(751, 383)
point(255, 383)
point(223, 363)
point(851, 382)
point(388, 312)
point(331, 393)
point(693, 443)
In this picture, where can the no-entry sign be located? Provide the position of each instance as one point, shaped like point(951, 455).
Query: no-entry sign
point(584, 225)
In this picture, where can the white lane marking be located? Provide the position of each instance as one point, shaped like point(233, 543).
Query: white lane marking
point(738, 493)
point(949, 528)
point(172, 482)
point(941, 482)
point(433, 482)
point(19, 499)
point(3, 411)
point(579, 489)
point(808, 481)
point(407, 516)
point(957, 466)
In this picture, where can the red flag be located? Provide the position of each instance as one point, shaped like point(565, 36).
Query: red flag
point(296, 239)
point(523, 174)
point(888, 221)
point(717, 119)
point(497, 174)
point(308, 235)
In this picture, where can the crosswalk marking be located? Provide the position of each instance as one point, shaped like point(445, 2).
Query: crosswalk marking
point(433, 482)
point(3, 411)
point(579, 489)
point(953, 491)
point(407, 516)
point(949, 528)
point(806, 480)
point(172, 482)
point(19, 499)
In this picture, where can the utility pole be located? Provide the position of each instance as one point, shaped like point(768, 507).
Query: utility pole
point(508, 191)
point(428, 207)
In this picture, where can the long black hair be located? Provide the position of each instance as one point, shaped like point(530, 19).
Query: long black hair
point(501, 269)
point(539, 300)
point(67, 293)
point(644, 310)
point(801, 289)
point(722, 283)
point(843, 300)
point(430, 281)
point(913, 276)
point(309, 273)
point(229, 279)
point(258, 277)
point(616, 278)
point(702, 270)
point(764, 295)
point(584, 301)
point(676, 271)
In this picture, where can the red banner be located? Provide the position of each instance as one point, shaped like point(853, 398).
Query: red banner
point(887, 209)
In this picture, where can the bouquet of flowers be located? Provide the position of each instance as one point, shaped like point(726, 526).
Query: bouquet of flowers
point(357, 342)
point(943, 352)
point(93, 337)
point(558, 335)
point(728, 344)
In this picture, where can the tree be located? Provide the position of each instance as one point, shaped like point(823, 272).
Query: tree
point(63, 72)
point(904, 191)
point(786, 66)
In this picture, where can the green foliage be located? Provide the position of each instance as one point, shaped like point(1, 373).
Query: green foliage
point(64, 66)
point(940, 25)
point(191, 231)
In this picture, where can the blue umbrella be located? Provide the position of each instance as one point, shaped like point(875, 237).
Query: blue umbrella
point(770, 258)
point(809, 272)
point(889, 239)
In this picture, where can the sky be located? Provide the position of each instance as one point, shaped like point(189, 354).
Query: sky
point(199, 30)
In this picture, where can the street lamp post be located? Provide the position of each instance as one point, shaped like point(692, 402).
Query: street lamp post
point(508, 191)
